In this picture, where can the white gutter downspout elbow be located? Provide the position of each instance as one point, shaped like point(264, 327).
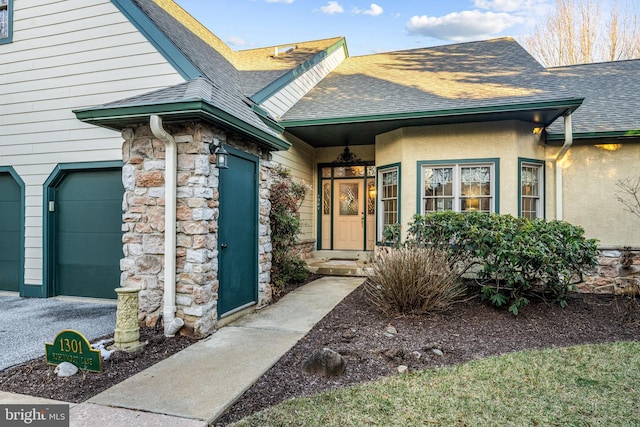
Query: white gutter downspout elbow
point(568, 142)
point(171, 323)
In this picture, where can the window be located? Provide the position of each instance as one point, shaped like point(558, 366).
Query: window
point(531, 190)
point(389, 186)
point(6, 17)
point(460, 187)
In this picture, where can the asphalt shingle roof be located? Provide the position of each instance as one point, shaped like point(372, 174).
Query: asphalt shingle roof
point(208, 54)
point(612, 96)
point(467, 75)
point(260, 67)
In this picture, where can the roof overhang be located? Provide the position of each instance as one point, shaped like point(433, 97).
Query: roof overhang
point(122, 116)
point(362, 130)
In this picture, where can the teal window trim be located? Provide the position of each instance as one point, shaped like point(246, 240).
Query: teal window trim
point(9, 37)
point(460, 162)
point(12, 172)
point(379, 212)
point(48, 218)
point(543, 188)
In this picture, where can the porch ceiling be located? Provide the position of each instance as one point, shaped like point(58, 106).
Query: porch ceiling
point(363, 130)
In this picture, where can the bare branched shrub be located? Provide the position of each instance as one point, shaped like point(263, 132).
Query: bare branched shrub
point(415, 280)
point(629, 194)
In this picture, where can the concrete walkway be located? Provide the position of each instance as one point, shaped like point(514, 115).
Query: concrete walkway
point(196, 385)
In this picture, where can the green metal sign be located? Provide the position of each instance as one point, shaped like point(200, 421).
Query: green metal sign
point(71, 346)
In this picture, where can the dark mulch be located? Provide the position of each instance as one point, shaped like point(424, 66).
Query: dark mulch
point(472, 330)
point(36, 378)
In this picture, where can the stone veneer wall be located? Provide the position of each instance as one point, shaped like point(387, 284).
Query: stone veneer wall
point(617, 272)
point(197, 223)
point(304, 249)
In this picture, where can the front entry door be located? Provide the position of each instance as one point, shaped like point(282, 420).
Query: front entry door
point(238, 233)
point(349, 214)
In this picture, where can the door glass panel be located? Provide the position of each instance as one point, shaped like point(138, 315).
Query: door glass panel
point(348, 199)
point(326, 198)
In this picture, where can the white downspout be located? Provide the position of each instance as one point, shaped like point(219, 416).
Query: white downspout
point(568, 142)
point(171, 323)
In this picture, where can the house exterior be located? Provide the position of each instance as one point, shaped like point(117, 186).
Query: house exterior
point(110, 113)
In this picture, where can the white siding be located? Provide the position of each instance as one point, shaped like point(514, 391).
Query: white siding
point(284, 99)
point(66, 55)
point(299, 159)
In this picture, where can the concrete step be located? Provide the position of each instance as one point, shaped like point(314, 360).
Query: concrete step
point(338, 266)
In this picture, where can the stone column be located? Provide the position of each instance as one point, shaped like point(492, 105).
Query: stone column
point(127, 333)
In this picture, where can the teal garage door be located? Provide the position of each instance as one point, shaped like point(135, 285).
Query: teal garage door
point(88, 236)
point(10, 211)
point(238, 236)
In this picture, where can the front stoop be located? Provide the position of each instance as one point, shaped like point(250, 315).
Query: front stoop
point(340, 263)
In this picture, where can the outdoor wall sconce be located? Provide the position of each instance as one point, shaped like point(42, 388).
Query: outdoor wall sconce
point(222, 157)
point(372, 191)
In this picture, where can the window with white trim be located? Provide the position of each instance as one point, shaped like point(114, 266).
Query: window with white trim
point(459, 187)
point(388, 183)
point(531, 190)
point(5, 20)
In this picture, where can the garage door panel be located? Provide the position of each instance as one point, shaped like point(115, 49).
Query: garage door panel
point(88, 236)
point(10, 227)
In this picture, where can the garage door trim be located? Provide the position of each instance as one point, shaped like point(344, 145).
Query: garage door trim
point(11, 171)
point(48, 244)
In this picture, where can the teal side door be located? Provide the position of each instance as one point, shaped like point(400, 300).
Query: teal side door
point(238, 233)
point(10, 225)
point(87, 233)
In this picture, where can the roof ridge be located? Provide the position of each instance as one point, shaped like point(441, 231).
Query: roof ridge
point(337, 38)
point(617, 61)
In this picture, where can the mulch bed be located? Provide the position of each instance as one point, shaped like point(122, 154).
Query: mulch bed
point(36, 378)
point(360, 332)
point(471, 330)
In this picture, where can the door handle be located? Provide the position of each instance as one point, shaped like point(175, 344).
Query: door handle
point(223, 246)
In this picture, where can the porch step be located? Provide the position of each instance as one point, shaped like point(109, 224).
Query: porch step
point(336, 263)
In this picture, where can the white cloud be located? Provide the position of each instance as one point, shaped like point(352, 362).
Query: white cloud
point(237, 41)
point(332, 7)
point(518, 7)
point(280, 1)
point(374, 10)
point(462, 26)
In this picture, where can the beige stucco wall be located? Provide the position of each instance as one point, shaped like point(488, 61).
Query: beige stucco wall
point(508, 141)
point(590, 174)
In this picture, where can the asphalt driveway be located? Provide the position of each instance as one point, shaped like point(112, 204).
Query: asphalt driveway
point(27, 323)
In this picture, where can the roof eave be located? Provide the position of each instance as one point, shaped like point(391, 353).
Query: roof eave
point(562, 106)
point(119, 117)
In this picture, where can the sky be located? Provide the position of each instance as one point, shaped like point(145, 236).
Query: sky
point(386, 25)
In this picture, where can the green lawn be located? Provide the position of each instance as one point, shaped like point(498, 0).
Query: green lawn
point(590, 385)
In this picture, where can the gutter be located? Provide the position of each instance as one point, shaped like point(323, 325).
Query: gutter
point(568, 142)
point(171, 322)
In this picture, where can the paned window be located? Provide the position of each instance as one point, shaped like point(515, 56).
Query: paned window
point(388, 183)
point(5, 20)
point(458, 187)
point(531, 190)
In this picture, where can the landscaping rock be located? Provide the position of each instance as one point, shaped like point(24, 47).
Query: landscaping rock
point(403, 369)
point(66, 369)
point(324, 362)
point(437, 352)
